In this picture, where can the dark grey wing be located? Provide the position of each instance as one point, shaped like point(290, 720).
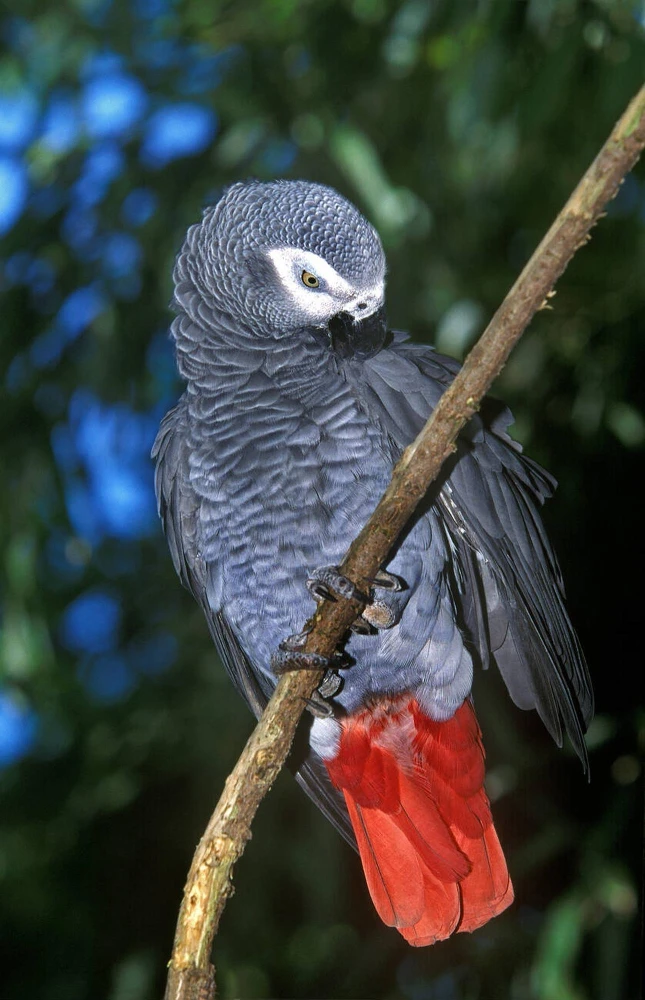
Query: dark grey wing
point(311, 774)
point(505, 573)
point(178, 508)
point(179, 511)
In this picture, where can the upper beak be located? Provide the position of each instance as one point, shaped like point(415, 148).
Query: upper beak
point(355, 335)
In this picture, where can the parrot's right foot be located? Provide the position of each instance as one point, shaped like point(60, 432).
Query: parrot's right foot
point(290, 655)
point(318, 704)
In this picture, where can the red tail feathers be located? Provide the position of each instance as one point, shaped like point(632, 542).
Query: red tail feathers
point(415, 795)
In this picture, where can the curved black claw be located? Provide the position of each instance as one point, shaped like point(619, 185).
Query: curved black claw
point(327, 583)
point(362, 626)
point(330, 684)
point(388, 581)
point(318, 707)
point(318, 704)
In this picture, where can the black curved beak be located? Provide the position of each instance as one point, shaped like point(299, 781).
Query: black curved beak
point(351, 337)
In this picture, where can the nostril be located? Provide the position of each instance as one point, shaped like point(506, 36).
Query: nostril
point(362, 305)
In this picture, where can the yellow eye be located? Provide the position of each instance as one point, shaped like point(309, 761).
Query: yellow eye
point(309, 279)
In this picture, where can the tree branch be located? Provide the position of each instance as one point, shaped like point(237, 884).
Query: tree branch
point(191, 976)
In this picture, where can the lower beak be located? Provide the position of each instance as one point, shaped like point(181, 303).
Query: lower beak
point(351, 337)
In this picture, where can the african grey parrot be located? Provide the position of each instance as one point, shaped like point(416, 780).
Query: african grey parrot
point(299, 401)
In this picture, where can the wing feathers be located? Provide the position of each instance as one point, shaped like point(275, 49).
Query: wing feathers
point(508, 589)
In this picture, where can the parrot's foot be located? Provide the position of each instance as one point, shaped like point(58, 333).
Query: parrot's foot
point(375, 617)
point(328, 583)
point(291, 655)
point(387, 581)
point(330, 685)
point(318, 704)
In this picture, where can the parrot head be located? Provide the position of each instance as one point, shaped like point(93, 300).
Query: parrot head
point(275, 258)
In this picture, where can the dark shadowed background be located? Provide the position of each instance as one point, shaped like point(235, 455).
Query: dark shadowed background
point(459, 128)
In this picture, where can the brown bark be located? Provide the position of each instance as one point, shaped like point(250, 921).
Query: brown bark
point(191, 976)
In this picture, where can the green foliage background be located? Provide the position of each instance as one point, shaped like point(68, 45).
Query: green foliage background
point(459, 128)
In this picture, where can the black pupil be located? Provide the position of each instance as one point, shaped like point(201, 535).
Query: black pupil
point(311, 280)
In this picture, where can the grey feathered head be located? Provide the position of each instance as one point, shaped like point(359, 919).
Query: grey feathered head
point(272, 258)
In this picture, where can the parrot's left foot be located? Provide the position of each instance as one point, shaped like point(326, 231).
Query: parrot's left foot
point(327, 583)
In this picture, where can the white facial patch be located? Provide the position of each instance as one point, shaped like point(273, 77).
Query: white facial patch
point(333, 294)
